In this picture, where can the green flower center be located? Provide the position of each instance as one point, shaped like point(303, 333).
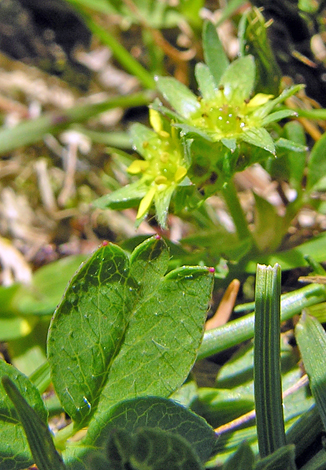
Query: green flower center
point(222, 119)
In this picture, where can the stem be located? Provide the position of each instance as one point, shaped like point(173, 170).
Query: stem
point(63, 435)
point(232, 201)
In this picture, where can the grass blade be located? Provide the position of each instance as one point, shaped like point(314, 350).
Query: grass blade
point(237, 331)
point(31, 131)
point(311, 339)
point(267, 367)
point(38, 435)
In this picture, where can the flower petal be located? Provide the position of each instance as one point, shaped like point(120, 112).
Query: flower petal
point(138, 166)
point(146, 202)
point(259, 99)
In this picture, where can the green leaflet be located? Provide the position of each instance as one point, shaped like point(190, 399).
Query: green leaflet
point(123, 329)
point(214, 54)
point(151, 449)
point(237, 90)
point(178, 95)
point(150, 413)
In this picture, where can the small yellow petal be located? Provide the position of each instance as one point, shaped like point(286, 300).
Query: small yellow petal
point(155, 120)
point(180, 173)
point(146, 202)
point(259, 100)
point(138, 166)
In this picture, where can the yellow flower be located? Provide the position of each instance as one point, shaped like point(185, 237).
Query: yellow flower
point(220, 118)
point(162, 169)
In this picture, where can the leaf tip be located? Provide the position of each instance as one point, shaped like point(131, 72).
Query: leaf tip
point(211, 270)
point(105, 243)
point(158, 237)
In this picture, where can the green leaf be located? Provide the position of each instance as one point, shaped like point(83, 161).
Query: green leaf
point(264, 110)
point(14, 449)
point(154, 412)
point(139, 330)
point(37, 432)
point(214, 53)
point(101, 6)
point(178, 95)
point(206, 84)
point(122, 198)
point(290, 144)
point(267, 366)
point(193, 132)
point(220, 406)
point(162, 203)
point(268, 232)
point(238, 80)
point(281, 459)
point(311, 339)
point(242, 459)
point(316, 164)
point(260, 138)
point(295, 132)
point(305, 430)
point(277, 116)
point(230, 9)
point(231, 144)
point(139, 413)
point(151, 449)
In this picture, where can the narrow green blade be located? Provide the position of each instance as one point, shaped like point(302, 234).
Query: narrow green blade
point(267, 370)
point(311, 339)
point(39, 437)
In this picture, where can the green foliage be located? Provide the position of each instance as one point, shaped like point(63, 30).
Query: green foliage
point(206, 136)
point(311, 338)
point(124, 338)
point(150, 448)
point(140, 331)
point(129, 335)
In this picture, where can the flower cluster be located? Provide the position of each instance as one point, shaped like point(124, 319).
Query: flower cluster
point(162, 168)
point(211, 128)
